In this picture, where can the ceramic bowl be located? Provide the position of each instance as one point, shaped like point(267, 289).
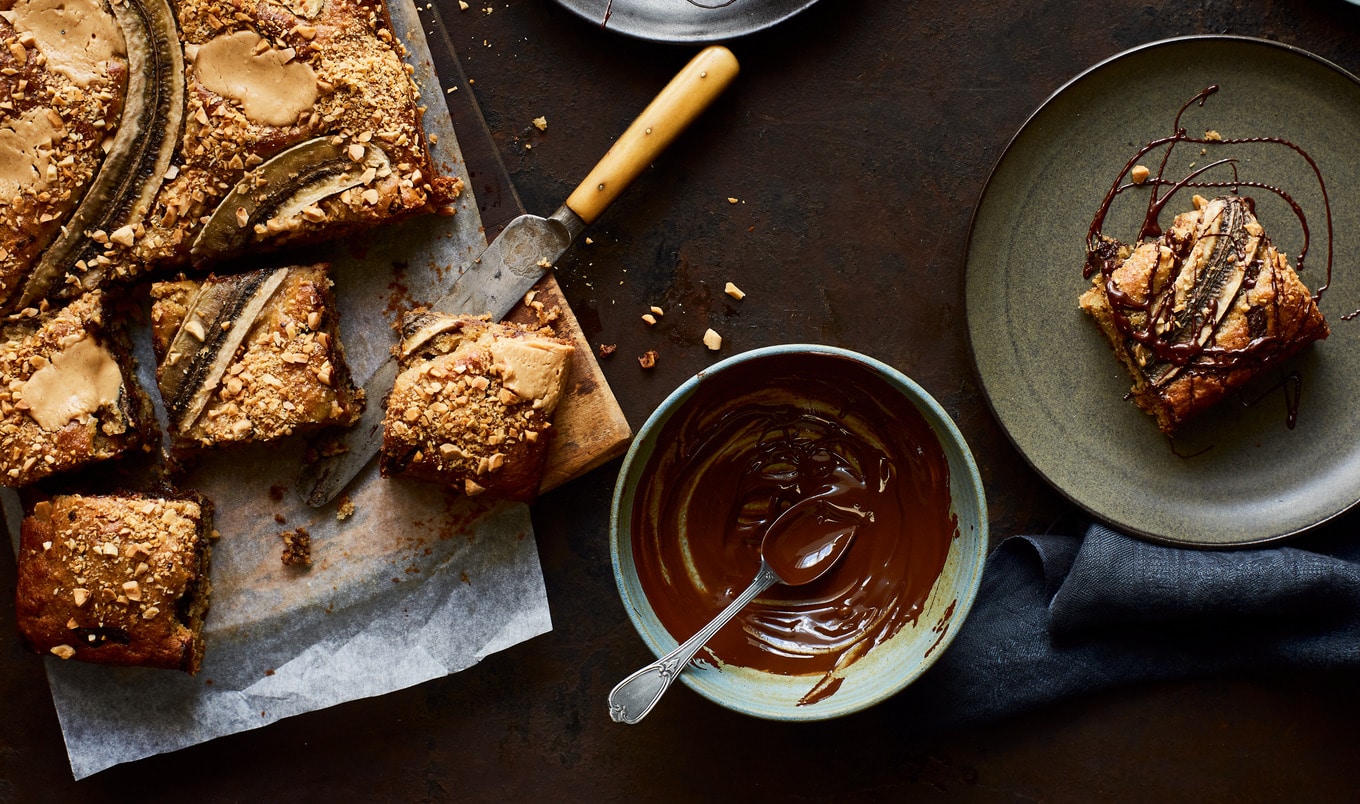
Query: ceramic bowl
point(888, 667)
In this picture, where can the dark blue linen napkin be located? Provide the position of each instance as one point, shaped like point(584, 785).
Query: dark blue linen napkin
point(1059, 616)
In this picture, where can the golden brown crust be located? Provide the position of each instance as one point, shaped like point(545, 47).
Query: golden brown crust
point(34, 96)
point(29, 450)
point(288, 375)
point(366, 106)
point(366, 98)
point(453, 418)
point(116, 580)
point(1271, 316)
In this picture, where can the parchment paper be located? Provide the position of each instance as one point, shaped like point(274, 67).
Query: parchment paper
point(417, 584)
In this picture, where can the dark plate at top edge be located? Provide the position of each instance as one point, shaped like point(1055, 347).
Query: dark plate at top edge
point(685, 21)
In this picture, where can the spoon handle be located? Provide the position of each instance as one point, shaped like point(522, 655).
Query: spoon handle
point(635, 696)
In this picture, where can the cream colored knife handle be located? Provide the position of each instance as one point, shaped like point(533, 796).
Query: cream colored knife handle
point(688, 94)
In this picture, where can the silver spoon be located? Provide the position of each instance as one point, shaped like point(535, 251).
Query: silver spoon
point(800, 546)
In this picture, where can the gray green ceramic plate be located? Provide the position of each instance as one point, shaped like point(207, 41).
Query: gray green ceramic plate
point(685, 20)
point(1240, 475)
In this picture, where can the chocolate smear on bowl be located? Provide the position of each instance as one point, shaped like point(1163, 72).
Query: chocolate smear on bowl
point(757, 439)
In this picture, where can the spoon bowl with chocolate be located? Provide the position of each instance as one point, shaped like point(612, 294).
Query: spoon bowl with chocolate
point(821, 467)
point(801, 545)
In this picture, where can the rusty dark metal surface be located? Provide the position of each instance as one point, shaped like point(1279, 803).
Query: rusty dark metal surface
point(856, 142)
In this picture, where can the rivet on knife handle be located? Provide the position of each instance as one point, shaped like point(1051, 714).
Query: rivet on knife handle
point(671, 112)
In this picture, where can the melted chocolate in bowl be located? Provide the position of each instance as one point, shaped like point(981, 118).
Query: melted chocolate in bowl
point(754, 440)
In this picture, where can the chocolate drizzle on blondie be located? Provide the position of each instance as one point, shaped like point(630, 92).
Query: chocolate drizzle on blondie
point(1198, 309)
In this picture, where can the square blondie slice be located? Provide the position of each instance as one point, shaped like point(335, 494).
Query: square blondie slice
point(61, 100)
point(237, 128)
point(308, 113)
point(119, 579)
point(68, 393)
point(1202, 310)
point(251, 357)
point(472, 404)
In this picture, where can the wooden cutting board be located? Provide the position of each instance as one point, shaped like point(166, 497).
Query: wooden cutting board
point(591, 428)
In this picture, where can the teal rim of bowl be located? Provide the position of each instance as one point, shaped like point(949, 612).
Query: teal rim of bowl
point(941, 422)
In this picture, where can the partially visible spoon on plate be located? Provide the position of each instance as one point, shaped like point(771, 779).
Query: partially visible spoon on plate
point(801, 545)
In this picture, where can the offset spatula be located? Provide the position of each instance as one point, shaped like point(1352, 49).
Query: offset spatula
point(528, 246)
